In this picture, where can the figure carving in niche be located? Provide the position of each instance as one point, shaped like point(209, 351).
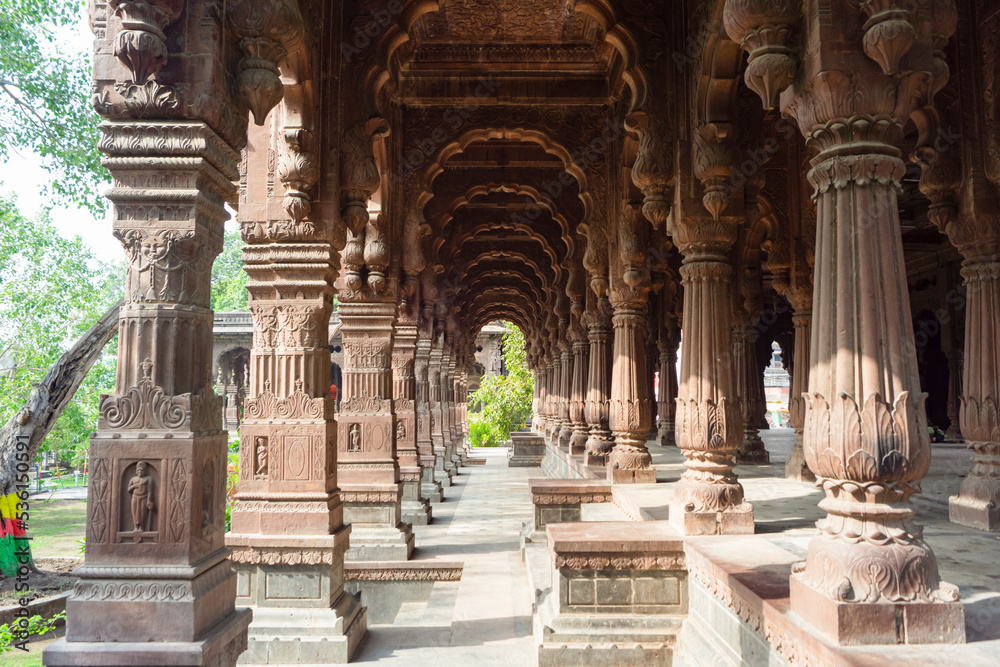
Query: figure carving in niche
point(400, 431)
point(261, 457)
point(141, 489)
point(207, 492)
point(354, 438)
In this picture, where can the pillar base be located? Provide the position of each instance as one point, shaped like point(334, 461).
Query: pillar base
point(221, 646)
point(974, 513)
point(752, 452)
point(417, 512)
point(735, 521)
point(861, 623)
point(796, 468)
point(442, 474)
point(377, 542)
point(665, 435)
point(578, 443)
point(306, 636)
point(623, 476)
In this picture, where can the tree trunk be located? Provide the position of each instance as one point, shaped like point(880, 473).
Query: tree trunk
point(49, 397)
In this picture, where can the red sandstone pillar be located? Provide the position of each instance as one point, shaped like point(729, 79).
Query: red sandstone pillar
point(599, 438)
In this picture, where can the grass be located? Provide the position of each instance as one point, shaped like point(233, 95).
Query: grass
point(55, 526)
point(33, 658)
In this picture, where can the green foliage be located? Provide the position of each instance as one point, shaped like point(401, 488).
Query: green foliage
point(504, 401)
point(232, 478)
point(45, 107)
point(229, 280)
point(36, 625)
point(51, 291)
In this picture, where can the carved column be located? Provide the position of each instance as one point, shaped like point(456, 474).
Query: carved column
point(629, 406)
point(430, 487)
point(667, 343)
point(565, 390)
point(155, 567)
point(955, 371)
point(287, 521)
point(443, 467)
point(865, 426)
point(709, 419)
point(455, 386)
point(416, 508)
point(581, 353)
point(554, 385)
point(748, 377)
point(977, 236)
point(599, 438)
point(368, 467)
point(795, 467)
point(447, 405)
point(537, 418)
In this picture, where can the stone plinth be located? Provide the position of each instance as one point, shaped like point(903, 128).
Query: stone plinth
point(559, 500)
point(527, 450)
point(618, 594)
point(385, 586)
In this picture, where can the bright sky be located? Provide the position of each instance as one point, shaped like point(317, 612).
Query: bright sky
point(23, 176)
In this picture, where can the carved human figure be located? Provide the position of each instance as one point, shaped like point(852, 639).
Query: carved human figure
point(354, 438)
point(261, 457)
point(400, 431)
point(140, 487)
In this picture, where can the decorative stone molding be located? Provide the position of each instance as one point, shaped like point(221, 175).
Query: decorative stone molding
point(762, 28)
point(618, 561)
point(653, 170)
point(141, 47)
point(283, 555)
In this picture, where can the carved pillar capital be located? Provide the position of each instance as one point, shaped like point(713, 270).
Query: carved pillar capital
point(763, 29)
point(653, 170)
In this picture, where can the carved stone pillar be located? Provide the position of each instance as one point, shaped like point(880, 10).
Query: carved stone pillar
point(287, 521)
point(599, 439)
point(709, 419)
point(554, 384)
point(537, 418)
point(581, 354)
point(156, 586)
point(368, 467)
point(747, 376)
point(667, 347)
point(629, 405)
point(457, 434)
point(865, 426)
point(796, 467)
point(565, 392)
point(430, 487)
point(977, 236)
point(448, 406)
point(416, 508)
point(955, 371)
point(443, 467)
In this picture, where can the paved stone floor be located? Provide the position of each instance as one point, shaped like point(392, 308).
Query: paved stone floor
point(485, 619)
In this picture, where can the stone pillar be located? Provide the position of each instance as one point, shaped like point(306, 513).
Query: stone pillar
point(287, 521)
point(795, 467)
point(581, 354)
point(977, 237)
point(430, 487)
point(667, 348)
point(565, 390)
point(599, 438)
point(554, 384)
point(457, 434)
point(865, 431)
point(443, 467)
point(367, 466)
point(156, 586)
point(747, 376)
point(709, 419)
point(447, 406)
point(232, 421)
point(955, 372)
point(537, 418)
point(416, 508)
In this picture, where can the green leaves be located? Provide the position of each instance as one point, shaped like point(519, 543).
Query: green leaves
point(229, 280)
point(505, 400)
point(51, 291)
point(45, 84)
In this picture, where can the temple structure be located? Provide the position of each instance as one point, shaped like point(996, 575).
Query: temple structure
point(607, 176)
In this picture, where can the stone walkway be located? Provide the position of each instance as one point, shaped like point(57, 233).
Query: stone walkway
point(484, 619)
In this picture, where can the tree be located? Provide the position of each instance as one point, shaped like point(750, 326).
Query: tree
point(503, 401)
point(52, 290)
point(229, 280)
point(45, 107)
